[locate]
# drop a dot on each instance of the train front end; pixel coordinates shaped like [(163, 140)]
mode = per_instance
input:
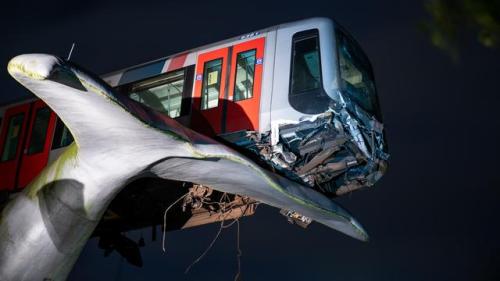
[(335, 142)]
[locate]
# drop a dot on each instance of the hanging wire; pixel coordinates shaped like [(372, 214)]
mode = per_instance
[(223, 204), (238, 249), (208, 249), (223, 226), (165, 219)]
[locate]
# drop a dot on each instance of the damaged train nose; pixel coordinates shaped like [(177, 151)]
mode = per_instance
[(332, 152)]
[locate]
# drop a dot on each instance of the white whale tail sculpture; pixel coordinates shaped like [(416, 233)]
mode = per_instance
[(43, 230)]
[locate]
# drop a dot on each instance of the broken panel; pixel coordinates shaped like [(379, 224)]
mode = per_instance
[(332, 152)]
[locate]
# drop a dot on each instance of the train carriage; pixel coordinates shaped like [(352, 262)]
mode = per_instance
[(299, 98)]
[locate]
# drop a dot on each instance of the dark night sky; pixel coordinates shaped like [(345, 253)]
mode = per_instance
[(432, 217)]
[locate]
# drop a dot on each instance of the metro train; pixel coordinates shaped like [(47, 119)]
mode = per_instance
[(299, 99)]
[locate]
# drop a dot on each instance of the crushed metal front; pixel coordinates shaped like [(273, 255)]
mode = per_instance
[(332, 152)]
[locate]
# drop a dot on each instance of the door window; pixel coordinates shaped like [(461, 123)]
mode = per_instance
[(12, 138), (245, 71), (212, 72), (39, 131)]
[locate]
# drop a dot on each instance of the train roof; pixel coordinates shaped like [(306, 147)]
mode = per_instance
[(191, 53), (113, 77)]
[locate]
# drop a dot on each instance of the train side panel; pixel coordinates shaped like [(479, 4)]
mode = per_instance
[(267, 82), (237, 107)]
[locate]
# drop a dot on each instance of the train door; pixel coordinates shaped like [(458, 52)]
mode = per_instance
[(38, 142), (25, 143), (209, 91), (11, 141), (227, 89), (245, 80)]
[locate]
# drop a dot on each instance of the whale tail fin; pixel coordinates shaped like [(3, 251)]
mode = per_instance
[(129, 134)]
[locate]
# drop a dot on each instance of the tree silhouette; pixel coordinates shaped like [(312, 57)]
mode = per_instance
[(451, 21)]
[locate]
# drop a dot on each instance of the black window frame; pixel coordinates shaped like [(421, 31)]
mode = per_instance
[(187, 88), (236, 74), (8, 123), (219, 78), (32, 135), (312, 101)]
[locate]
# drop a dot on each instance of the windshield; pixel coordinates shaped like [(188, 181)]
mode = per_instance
[(356, 74)]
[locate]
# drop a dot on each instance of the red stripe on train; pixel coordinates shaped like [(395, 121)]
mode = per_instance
[(177, 62)]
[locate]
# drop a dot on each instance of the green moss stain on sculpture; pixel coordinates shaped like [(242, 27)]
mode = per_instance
[(54, 171), (14, 68)]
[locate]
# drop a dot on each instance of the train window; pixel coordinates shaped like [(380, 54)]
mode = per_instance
[(306, 87), (62, 136), (163, 93), (12, 138), (245, 68), (306, 69), (39, 130), (356, 74), (212, 71)]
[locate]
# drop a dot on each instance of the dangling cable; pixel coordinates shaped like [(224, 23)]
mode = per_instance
[(222, 206), (165, 219), (238, 249), (208, 249)]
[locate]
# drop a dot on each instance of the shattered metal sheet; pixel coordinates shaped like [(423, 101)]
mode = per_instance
[(332, 152)]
